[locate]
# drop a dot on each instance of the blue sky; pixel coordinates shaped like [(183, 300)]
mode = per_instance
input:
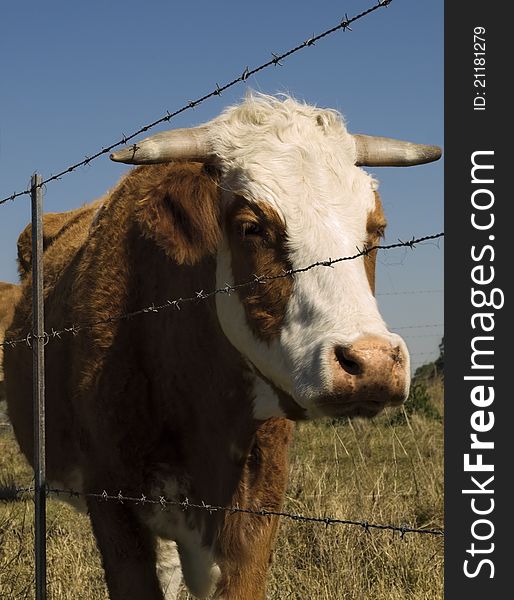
[(76, 76)]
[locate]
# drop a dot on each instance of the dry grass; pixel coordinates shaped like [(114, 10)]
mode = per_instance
[(358, 470), (371, 472)]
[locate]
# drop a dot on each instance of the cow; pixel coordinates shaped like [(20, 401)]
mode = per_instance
[(200, 403), (9, 294)]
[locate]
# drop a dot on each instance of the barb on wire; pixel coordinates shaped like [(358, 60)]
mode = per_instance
[(186, 504), (422, 335), (276, 58), (75, 328), (409, 292), (418, 326)]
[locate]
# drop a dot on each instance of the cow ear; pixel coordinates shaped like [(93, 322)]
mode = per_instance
[(181, 212)]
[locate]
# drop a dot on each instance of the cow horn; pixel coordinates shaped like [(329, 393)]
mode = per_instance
[(177, 144), (373, 151)]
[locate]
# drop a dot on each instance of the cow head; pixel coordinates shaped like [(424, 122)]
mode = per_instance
[(290, 192)]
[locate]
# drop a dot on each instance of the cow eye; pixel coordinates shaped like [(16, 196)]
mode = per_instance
[(251, 229)]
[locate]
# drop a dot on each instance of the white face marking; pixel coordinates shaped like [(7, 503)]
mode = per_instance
[(324, 201), (268, 358)]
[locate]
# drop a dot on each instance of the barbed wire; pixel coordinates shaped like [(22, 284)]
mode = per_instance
[(176, 304), (344, 25), (409, 292), (417, 326), (421, 335), (186, 504)]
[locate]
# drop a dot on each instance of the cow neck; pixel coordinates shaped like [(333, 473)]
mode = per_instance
[(185, 355)]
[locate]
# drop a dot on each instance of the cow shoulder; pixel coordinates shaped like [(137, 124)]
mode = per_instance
[(64, 235), (55, 226)]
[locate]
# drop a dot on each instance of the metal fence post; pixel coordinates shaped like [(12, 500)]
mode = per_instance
[(38, 386)]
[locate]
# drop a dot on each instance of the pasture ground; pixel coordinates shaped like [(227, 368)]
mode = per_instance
[(388, 470)]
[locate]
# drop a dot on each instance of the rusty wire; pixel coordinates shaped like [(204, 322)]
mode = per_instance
[(18, 493), (343, 25), (177, 303)]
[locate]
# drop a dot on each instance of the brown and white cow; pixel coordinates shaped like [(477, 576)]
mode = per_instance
[(200, 403)]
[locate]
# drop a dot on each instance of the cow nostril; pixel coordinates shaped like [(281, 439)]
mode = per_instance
[(347, 362)]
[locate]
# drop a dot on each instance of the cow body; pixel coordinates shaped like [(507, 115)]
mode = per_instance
[(198, 403), (9, 294), (130, 405)]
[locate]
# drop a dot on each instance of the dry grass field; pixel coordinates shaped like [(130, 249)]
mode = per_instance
[(389, 470)]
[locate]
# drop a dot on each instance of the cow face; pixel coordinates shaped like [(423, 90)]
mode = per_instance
[(288, 194), (318, 337)]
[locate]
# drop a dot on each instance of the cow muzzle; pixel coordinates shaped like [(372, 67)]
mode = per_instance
[(366, 376)]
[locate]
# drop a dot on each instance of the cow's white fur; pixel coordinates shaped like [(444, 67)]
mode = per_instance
[(168, 568), (199, 569), (300, 160), (266, 403), (269, 359)]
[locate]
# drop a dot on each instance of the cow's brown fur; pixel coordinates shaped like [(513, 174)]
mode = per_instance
[(136, 402), (257, 239), (375, 227), (55, 225), (9, 295)]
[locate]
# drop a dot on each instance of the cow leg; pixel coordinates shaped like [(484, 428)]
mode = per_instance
[(168, 568), (245, 579), (128, 552), (246, 541)]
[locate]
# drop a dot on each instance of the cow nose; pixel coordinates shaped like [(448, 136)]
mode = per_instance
[(349, 360), (372, 369)]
